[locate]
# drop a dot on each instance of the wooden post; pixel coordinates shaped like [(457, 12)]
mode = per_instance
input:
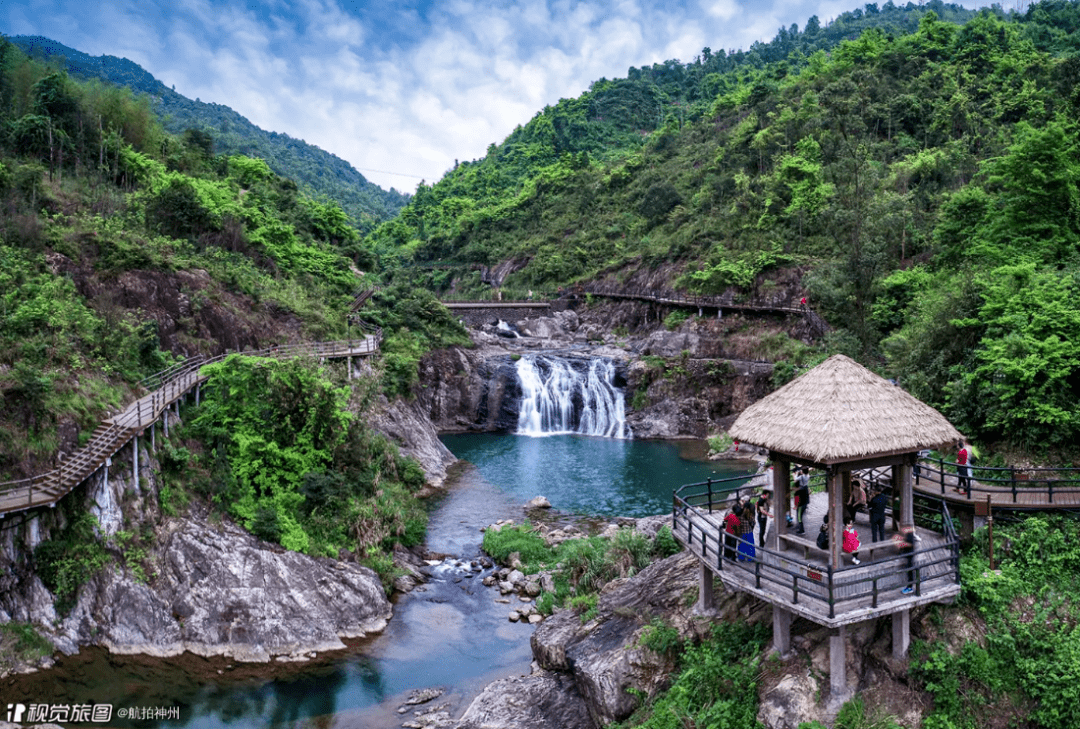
[(781, 484), (836, 479), (907, 499)]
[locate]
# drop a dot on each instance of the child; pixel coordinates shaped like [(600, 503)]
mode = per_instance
[(851, 541)]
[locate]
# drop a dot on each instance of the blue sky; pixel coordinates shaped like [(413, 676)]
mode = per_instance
[(402, 88)]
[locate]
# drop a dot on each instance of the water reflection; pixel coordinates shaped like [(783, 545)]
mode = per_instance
[(588, 475)]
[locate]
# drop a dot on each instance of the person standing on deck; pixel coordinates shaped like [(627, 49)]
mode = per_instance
[(963, 471), (857, 500), (732, 528), (746, 543), (763, 514), (802, 498), (905, 542), (878, 503)]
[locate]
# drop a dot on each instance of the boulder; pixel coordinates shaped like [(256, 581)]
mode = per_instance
[(221, 591), (542, 700)]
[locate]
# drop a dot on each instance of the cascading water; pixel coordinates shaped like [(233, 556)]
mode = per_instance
[(570, 396)]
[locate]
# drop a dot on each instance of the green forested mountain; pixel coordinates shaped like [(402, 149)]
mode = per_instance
[(124, 248), (924, 185), (316, 170)]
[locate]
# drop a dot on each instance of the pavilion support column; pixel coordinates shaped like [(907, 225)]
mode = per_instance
[(781, 631), (781, 482), (901, 634), (705, 589), (836, 512), (907, 502), (838, 660)]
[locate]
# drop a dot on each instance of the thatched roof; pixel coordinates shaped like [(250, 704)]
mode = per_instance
[(840, 411)]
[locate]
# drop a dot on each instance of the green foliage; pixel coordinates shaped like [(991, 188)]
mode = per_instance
[(662, 639), (295, 466), (719, 443), (23, 642), (67, 562), (675, 319), (717, 686), (1031, 646)]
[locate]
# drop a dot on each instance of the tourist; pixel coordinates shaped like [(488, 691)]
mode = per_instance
[(905, 543), (802, 498), (763, 514), (878, 503), (746, 531), (963, 471), (823, 535), (856, 500), (851, 540), (732, 528)]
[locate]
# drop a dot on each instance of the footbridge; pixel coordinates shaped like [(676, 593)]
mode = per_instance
[(164, 390)]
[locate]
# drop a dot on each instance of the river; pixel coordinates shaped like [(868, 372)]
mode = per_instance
[(448, 633)]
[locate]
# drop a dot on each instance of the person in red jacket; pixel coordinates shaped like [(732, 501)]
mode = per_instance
[(732, 531), (851, 541), (963, 471)]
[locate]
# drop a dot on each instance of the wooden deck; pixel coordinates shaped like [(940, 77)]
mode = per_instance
[(115, 432), (806, 587)]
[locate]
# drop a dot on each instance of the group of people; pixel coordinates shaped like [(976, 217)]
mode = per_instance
[(739, 523), (739, 526)]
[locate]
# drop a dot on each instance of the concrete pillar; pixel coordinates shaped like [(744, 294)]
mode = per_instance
[(705, 589), (153, 438), (165, 421), (105, 474), (719, 313), (348, 365), (901, 634), (135, 462), (781, 631), (838, 660), (781, 478), (198, 388)]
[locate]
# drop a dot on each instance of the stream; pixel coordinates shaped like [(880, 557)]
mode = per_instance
[(448, 633)]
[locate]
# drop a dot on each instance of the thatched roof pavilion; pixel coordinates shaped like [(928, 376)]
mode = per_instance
[(841, 417), (838, 412)]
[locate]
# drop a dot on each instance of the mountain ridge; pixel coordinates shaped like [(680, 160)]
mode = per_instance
[(320, 171)]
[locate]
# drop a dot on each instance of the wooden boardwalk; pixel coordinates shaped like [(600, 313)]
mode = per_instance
[(115, 432), (1007, 488)]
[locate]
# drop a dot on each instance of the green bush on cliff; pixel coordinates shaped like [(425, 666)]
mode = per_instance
[(717, 684)]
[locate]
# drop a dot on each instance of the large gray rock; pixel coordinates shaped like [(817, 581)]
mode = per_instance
[(220, 591), (405, 423), (543, 700)]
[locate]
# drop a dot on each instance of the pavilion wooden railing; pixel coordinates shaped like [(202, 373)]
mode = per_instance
[(781, 574)]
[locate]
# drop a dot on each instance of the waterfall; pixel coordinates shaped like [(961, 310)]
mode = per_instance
[(570, 396)]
